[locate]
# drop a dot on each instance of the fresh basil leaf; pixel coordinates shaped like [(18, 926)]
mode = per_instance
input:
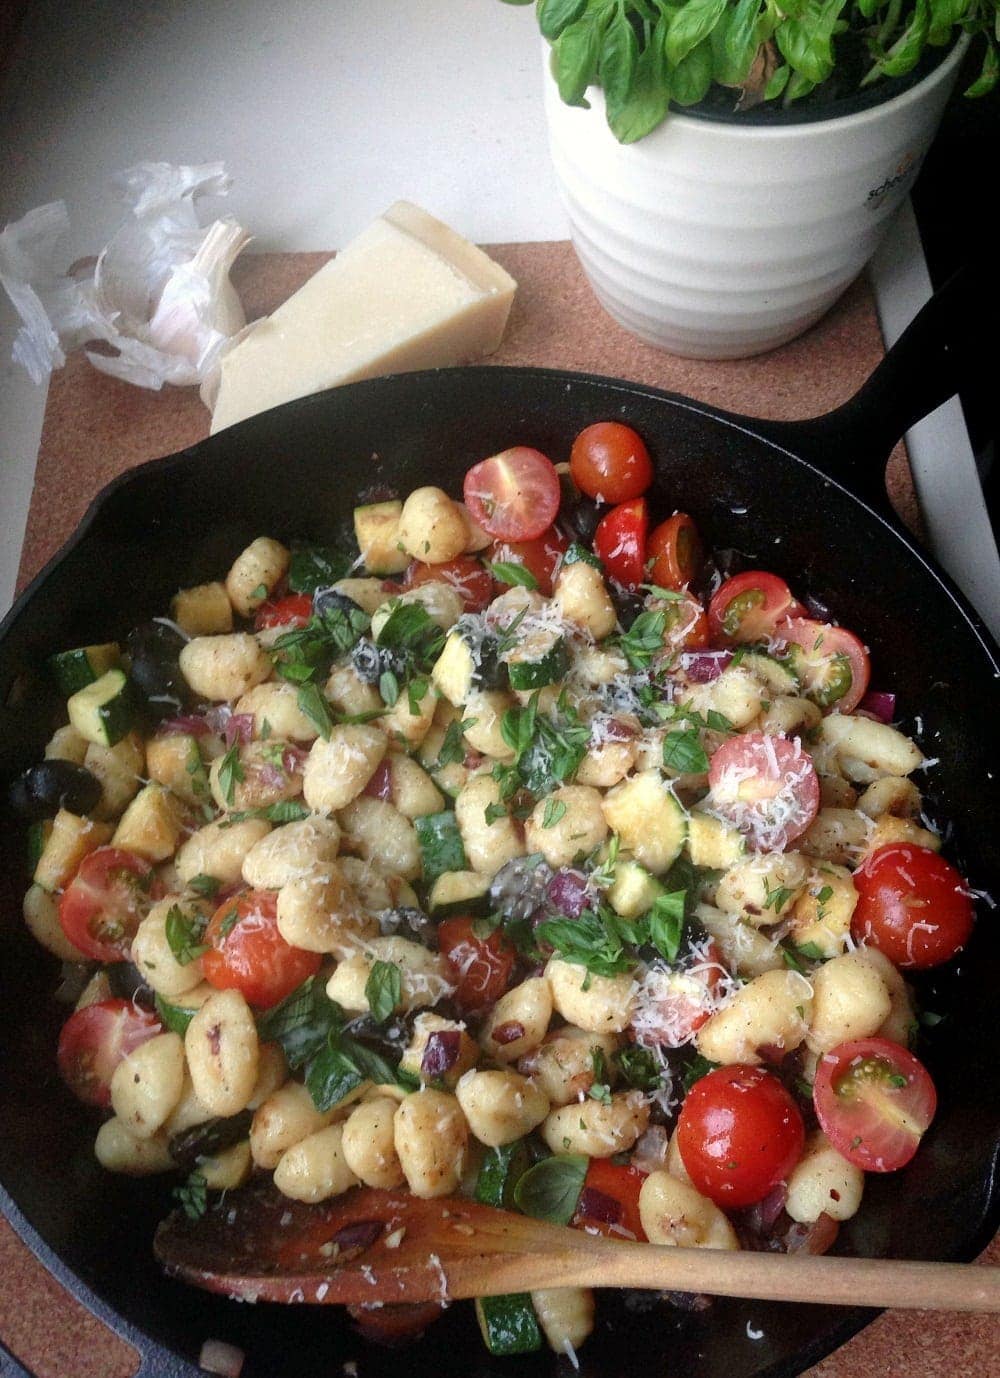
[(556, 15), (184, 933), (192, 1196), (618, 59), (666, 923), (551, 1189), (314, 567), (416, 692), (507, 572), (648, 98), (574, 59), (230, 772), (697, 1068), (330, 1076), (388, 687), (638, 1067), (383, 990), (684, 753), (578, 554), (644, 639), (302, 1022), (689, 24), (314, 705), (206, 886), (555, 809), (174, 1018), (281, 811), (691, 78)]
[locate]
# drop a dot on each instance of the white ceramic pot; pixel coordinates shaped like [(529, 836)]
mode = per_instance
[(720, 239)]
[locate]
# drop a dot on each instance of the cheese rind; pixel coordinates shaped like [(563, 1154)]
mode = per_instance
[(407, 293)]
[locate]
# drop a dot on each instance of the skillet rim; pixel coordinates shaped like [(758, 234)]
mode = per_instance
[(155, 1357)]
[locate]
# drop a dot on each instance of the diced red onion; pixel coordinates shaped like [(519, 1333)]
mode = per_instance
[(218, 716), (598, 1205), (239, 728), (817, 1238), (440, 1052), (616, 731), (763, 1216), (878, 705), (650, 1152), (361, 1234), (271, 776), (473, 759), (567, 892), (187, 725), (218, 1357), (380, 785), (701, 667), (293, 758), (772, 1054), (508, 1032)]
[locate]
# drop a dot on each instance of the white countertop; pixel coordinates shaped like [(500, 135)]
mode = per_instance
[(324, 113)]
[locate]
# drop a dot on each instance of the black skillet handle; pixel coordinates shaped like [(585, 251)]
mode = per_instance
[(942, 347), (11, 1367)]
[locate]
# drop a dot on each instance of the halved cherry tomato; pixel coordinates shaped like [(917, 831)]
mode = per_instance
[(514, 495), (95, 1039), (831, 662), (481, 967), (470, 580), (874, 1100), (681, 1000), (609, 1201), (747, 607), (540, 556), (739, 1133), (293, 611), (767, 786), (675, 551), (686, 624), (610, 462), (912, 905), (248, 954), (394, 1323), (620, 542), (105, 902)]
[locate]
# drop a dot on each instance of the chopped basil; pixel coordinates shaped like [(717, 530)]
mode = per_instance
[(282, 811), (777, 898), (174, 1018), (307, 653), (638, 1067), (388, 687), (811, 951), (192, 1196), (555, 809), (453, 745), (507, 572), (259, 592), (578, 554), (416, 692), (684, 753), (184, 933), (666, 923), (697, 1068), (314, 705), (315, 567), (383, 990), (230, 771), (551, 1189), (206, 886), (644, 639)]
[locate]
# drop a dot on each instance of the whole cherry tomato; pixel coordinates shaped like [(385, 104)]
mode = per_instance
[(912, 905), (610, 462), (620, 542), (247, 953)]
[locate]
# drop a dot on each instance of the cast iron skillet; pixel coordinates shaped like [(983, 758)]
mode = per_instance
[(779, 493)]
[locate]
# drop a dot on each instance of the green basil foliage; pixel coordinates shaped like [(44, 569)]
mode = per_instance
[(548, 747), (647, 55), (551, 1189)]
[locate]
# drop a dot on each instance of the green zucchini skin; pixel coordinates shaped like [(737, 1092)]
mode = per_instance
[(509, 1324), (77, 668), (104, 711)]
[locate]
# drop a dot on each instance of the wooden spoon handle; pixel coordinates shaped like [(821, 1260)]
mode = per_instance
[(774, 1277)]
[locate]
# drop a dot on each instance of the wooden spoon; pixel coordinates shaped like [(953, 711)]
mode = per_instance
[(384, 1246)]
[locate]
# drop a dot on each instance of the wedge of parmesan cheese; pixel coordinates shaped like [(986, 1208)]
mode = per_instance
[(407, 293)]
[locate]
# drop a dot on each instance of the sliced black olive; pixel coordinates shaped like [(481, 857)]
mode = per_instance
[(154, 650), (491, 671), (390, 1039), (371, 661), (206, 1139), (128, 983), (520, 887), (408, 923), (628, 606), (49, 786), (329, 600), (579, 520)]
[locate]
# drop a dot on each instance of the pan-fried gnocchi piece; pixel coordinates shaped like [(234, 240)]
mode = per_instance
[(887, 828), (153, 955), (563, 1065), (337, 770), (369, 1144), (821, 915), (378, 832), (771, 1011), (583, 599), (673, 1212), (566, 825), (315, 1168), (599, 1004), (500, 1106), (488, 845), (868, 749), (838, 835), (225, 667), (425, 1026), (274, 707), (147, 1084), (120, 1151), (431, 1137), (891, 794), (223, 1053), (565, 1314), (204, 610), (518, 1021), (761, 888), (350, 695), (255, 574), (483, 715), (292, 852), (823, 1183), (424, 977), (607, 762), (746, 951), (219, 850), (413, 791), (432, 528), (284, 1118), (596, 1128), (850, 1000), (41, 915), (736, 694), (319, 912)]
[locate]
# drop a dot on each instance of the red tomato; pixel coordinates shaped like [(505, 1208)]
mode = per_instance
[(248, 954), (514, 495), (912, 905), (609, 1201), (610, 462), (675, 551), (472, 583), (540, 556), (686, 625), (874, 1100), (93, 1042), (293, 611), (739, 1133), (767, 786), (746, 607), (481, 967), (620, 542), (682, 1002), (105, 902), (831, 662), (395, 1323)]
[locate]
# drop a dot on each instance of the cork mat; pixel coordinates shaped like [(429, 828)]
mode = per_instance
[(95, 428)]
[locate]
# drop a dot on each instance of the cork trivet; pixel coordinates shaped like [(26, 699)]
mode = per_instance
[(95, 428)]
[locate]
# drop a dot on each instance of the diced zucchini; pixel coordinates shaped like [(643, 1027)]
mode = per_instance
[(440, 844), (539, 659), (376, 528), (151, 825), (649, 819), (119, 769), (38, 834), (633, 890), (499, 1173), (459, 892), (203, 611), (71, 839), (508, 1324), (175, 762), (103, 712), (778, 675), (66, 744), (75, 669), (713, 843), (454, 673)]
